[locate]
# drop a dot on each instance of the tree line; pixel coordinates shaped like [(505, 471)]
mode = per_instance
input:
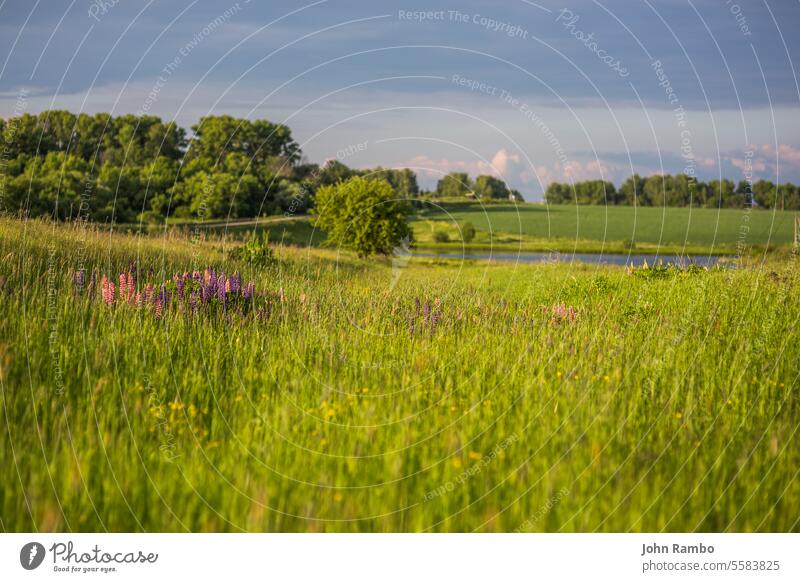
[(129, 168), (678, 190)]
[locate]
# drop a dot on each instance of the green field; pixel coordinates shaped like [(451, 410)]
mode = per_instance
[(535, 227), (700, 227), (352, 395)]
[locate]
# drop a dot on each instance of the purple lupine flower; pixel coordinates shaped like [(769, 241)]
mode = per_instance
[(426, 311), (212, 282), (236, 282), (92, 284), (221, 288), (80, 279), (193, 300), (179, 286)]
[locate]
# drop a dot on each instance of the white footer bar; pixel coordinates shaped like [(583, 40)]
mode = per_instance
[(401, 557)]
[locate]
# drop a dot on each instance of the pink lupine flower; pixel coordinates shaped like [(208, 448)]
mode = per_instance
[(138, 301), (131, 287), (109, 294), (561, 313)]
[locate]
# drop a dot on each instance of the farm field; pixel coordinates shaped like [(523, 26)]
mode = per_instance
[(695, 227), (534, 227), (343, 395)]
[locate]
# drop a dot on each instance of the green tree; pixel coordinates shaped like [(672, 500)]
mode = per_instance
[(490, 187), (364, 215), (632, 191), (454, 184), (558, 193), (403, 181), (764, 193), (333, 172)]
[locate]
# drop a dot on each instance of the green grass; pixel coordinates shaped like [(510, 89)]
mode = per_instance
[(563, 226), (670, 403)]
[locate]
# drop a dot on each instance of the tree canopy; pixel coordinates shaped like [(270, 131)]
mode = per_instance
[(127, 168), (677, 190), (363, 214)]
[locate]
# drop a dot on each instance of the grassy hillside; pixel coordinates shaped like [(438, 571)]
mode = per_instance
[(345, 395)]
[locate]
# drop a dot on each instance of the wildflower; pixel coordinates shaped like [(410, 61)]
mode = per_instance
[(131, 286), (80, 278), (107, 290), (123, 286), (92, 284), (221, 288), (561, 313), (159, 308)]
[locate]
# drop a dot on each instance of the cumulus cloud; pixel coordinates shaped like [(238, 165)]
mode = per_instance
[(767, 160), (503, 164), (577, 171)]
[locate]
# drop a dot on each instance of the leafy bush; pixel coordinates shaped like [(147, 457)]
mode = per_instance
[(440, 236), (468, 232), (256, 251), (363, 214)]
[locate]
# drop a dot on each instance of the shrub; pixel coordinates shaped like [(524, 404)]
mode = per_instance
[(468, 232), (256, 251), (441, 236), (363, 214)]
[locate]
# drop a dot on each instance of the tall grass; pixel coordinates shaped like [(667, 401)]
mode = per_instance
[(358, 396)]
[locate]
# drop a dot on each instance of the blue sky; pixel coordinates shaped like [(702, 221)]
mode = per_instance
[(529, 91)]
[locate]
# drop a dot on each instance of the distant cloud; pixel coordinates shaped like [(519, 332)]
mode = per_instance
[(767, 160), (503, 164), (577, 171)]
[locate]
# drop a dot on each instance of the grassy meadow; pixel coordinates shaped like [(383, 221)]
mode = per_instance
[(363, 396)]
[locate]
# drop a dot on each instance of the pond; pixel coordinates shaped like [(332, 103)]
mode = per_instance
[(635, 260)]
